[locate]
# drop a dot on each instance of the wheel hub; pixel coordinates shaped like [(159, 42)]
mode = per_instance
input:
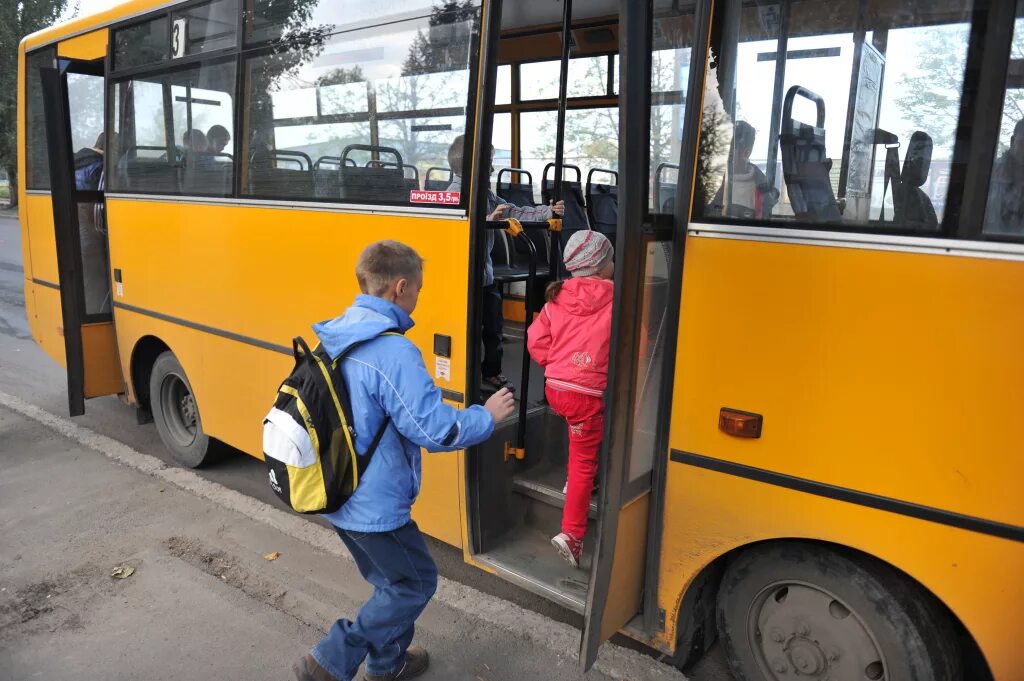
[(801, 631), (187, 406), (179, 409), (806, 656)]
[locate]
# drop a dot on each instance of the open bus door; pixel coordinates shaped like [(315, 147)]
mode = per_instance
[(648, 273), (79, 222)]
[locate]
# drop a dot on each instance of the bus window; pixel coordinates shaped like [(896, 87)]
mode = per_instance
[(37, 161), (167, 150), (841, 123), (670, 69), (1004, 212), (141, 44), (591, 140), (324, 109), (204, 28), (272, 20), (588, 77), (503, 88)]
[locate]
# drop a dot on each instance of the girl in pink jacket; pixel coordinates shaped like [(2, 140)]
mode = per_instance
[(570, 338)]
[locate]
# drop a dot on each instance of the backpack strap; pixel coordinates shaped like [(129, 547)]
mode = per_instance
[(377, 438)]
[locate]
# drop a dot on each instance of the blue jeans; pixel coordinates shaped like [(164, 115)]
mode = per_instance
[(404, 577)]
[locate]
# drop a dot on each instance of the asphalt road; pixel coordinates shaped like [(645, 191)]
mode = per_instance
[(25, 371)]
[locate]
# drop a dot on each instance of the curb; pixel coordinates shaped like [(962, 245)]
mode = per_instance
[(561, 639)]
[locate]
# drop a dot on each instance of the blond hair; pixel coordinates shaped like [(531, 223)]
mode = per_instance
[(385, 262)]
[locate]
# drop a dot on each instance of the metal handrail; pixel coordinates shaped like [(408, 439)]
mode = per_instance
[(517, 230)]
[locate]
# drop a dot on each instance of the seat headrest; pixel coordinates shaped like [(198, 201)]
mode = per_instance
[(918, 161)]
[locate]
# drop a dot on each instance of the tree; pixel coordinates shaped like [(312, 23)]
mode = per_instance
[(18, 18), (931, 99), (433, 79)]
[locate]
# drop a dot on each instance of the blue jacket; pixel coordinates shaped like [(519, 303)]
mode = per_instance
[(386, 376)]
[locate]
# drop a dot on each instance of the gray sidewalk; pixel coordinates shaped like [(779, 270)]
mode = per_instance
[(203, 602)]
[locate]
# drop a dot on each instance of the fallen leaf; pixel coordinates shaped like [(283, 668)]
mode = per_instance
[(223, 578), (122, 572), (273, 555)]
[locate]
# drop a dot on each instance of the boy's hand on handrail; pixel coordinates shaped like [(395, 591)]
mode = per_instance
[(558, 208), (500, 213), (500, 405)]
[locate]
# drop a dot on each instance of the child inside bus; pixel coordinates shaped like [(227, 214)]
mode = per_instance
[(494, 321), (571, 338), (749, 194)]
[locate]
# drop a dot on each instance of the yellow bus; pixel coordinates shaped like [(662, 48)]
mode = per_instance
[(813, 448)]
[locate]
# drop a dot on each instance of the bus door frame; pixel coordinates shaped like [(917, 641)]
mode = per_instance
[(85, 335), (623, 580)]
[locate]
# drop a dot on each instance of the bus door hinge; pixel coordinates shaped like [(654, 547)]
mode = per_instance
[(517, 453)]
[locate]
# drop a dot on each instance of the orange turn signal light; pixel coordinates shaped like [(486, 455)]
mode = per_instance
[(739, 423)]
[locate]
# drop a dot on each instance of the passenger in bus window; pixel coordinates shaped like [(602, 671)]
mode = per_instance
[(1005, 211), (89, 165), (571, 339), (217, 138), (91, 235), (745, 192), (494, 321), (192, 140)]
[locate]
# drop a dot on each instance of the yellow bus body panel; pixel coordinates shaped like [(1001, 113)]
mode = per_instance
[(82, 24), (42, 297), (193, 274), (87, 47), (892, 373)]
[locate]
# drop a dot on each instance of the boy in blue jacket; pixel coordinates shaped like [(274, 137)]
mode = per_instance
[(387, 379)]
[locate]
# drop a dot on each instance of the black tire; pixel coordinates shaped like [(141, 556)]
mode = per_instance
[(800, 607), (176, 415)]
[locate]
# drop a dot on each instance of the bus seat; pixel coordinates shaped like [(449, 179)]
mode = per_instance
[(503, 261), (327, 176), (804, 164), (664, 192), (373, 183), (207, 174), (520, 193), (412, 182), (441, 183), (575, 218), (149, 173), (603, 202), (281, 173), (913, 205)]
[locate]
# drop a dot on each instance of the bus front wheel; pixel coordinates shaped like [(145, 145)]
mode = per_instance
[(176, 415), (801, 610)]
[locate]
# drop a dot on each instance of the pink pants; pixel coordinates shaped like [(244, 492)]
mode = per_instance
[(584, 414)]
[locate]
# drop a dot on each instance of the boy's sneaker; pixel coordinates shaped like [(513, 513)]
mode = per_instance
[(416, 662), (495, 383), (308, 669), (569, 547)]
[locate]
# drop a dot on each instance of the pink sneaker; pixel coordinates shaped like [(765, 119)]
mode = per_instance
[(569, 547)]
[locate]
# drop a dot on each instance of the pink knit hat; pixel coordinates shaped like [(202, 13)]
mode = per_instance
[(586, 252)]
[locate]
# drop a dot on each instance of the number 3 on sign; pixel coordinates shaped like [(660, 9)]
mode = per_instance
[(178, 39)]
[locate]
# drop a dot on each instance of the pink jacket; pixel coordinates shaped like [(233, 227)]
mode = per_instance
[(571, 336)]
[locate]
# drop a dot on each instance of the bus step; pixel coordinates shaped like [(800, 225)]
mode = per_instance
[(545, 484)]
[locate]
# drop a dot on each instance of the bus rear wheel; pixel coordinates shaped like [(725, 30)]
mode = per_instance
[(176, 414), (801, 610)]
